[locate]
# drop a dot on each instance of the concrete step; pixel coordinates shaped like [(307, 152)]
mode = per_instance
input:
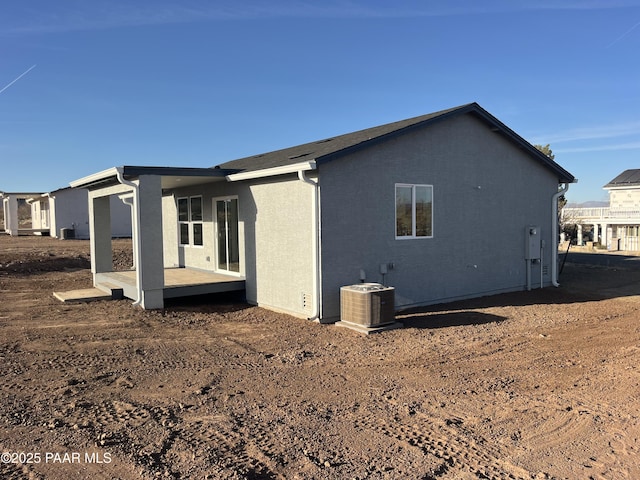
[(82, 295), (116, 292)]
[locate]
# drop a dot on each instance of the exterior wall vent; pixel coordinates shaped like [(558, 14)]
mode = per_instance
[(306, 301), (367, 304)]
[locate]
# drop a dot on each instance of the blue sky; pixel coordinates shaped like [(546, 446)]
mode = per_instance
[(196, 82)]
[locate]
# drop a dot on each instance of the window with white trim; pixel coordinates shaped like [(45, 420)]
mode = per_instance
[(414, 211), (190, 221)]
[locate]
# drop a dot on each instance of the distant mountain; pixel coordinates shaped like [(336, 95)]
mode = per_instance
[(591, 204)]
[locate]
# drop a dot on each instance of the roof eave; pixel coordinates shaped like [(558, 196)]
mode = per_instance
[(273, 171), (95, 178), (110, 175), (618, 186)]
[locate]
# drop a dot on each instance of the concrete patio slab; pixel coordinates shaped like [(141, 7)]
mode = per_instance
[(83, 295)]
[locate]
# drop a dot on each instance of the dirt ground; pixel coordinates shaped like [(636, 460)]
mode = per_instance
[(541, 384)]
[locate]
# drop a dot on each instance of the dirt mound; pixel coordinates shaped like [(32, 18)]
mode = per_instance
[(530, 385), (43, 262), (122, 256), (56, 255)]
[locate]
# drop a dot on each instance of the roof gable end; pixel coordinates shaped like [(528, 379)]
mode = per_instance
[(332, 148)]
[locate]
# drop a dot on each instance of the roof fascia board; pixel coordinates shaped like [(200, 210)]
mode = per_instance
[(94, 178), (136, 171), (55, 192), (21, 195), (622, 187), (110, 174), (271, 172), (36, 198)]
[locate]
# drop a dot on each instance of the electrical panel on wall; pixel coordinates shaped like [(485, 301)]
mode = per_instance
[(532, 243)]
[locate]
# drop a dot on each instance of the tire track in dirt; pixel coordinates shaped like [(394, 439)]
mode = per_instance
[(174, 356), (229, 449), (459, 455), (144, 434), (80, 361), (108, 415), (13, 471), (556, 429)]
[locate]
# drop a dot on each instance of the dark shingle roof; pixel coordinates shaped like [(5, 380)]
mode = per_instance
[(625, 179), (330, 148), (321, 148)]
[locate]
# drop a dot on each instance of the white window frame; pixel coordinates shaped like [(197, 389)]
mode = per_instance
[(216, 226), (413, 235), (190, 222)]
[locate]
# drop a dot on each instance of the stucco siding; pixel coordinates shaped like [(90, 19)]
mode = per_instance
[(485, 192), (280, 233), (36, 214), (170, 231)]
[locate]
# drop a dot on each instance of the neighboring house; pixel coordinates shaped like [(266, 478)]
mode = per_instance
[(616, 226), (445, 206), (10, 204), (64, 210)]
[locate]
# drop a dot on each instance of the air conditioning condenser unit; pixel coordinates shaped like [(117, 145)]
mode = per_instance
[(367, 305)]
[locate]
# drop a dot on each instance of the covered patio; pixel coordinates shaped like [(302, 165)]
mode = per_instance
[(11, 224), (153, 278)]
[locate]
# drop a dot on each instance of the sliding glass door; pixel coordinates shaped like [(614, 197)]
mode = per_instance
[(227, 242)]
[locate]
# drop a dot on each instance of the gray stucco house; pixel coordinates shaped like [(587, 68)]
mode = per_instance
[(68, 209), (444, 206), (64, 208)]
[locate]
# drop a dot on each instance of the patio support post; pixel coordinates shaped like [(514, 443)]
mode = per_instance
[(53, 225), (100, 233), (596, 234), (11, 215), (579, 239), (5, 208), (148, 225)]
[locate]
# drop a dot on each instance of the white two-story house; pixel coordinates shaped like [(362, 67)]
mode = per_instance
[(616, 226)]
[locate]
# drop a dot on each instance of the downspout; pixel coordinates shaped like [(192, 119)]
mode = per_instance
[(136, 233), (315, 243), (554, 234), (128, 200)]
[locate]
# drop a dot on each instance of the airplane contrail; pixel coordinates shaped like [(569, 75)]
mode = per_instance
[(623, 35), (18, 78)]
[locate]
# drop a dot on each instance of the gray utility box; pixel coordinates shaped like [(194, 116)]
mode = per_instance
[(367, 304)]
